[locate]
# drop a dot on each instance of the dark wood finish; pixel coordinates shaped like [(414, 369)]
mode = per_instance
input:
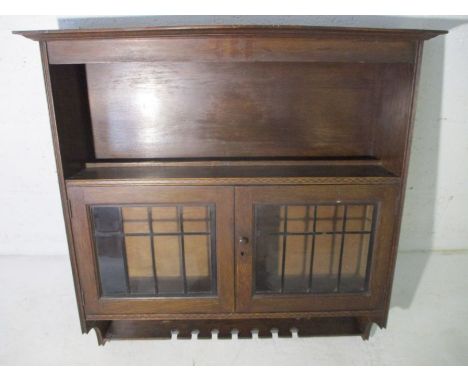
[(230, 49), (233, 30), (70, 94), (409, 123), (231, 109), (234, 175), (227, 329), (237, 316), (395, 88), (232, 116), (63, 192)]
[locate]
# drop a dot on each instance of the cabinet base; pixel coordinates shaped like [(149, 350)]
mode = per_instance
[(230, 328)]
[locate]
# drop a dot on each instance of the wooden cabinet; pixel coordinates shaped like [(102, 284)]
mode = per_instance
[(232, 178)]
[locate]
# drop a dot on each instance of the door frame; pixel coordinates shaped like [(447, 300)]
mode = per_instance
[(383, 196), (82, 197)]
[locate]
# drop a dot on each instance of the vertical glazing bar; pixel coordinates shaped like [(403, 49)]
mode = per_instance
[(332, 255), (124, 251), (312, 250), (283, 259), (340, 264), (180, 218), (371, 247), (361, 241), (306, 237), (153, 255), (212, 249)]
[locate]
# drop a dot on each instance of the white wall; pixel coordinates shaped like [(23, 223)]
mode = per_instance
[(438, 178), (31, 221), (436, 209)]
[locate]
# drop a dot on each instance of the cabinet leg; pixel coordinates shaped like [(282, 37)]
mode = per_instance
[(381, 321), (100, 327), (365, 325)]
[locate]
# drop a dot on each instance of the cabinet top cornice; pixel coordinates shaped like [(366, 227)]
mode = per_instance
[(232, 30)]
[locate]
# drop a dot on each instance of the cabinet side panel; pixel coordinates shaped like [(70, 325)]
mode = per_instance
[(63, 192), (405, 156), (70, 96), (393, 113)]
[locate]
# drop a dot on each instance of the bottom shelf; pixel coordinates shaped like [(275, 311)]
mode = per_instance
[(230, 328)]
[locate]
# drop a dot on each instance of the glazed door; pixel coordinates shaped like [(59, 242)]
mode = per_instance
[(151, 249), (313, 248)]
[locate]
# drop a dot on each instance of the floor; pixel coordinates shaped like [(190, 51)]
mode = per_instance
[(427, 324)]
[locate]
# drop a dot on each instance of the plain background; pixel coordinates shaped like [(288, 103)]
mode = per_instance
[(429, 303)]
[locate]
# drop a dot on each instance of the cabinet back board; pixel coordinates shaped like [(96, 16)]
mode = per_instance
[(217, 109)]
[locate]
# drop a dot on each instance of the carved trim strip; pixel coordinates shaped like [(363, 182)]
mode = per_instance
[(245, 30), (231, 316), (235, 181)]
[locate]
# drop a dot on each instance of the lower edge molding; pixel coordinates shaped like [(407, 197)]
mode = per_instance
[(229, 329)]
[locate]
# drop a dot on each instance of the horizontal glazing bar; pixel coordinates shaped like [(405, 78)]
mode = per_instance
[(107, 234), (164, 220), (303, 219), (308, 292), (159, 294), (316, 233)]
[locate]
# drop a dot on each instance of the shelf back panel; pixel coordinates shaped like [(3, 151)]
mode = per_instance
[(193, 109)]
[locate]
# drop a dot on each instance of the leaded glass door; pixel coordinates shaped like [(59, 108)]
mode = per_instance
[(154, 249), (313, 247)]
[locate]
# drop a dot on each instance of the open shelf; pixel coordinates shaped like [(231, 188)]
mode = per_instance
[(232, 110), (233, 173)]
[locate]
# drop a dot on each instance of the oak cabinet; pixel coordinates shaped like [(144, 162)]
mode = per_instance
[(232, 178)]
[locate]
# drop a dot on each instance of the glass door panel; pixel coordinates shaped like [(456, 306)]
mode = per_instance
[(312, 247), (154, 249)]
